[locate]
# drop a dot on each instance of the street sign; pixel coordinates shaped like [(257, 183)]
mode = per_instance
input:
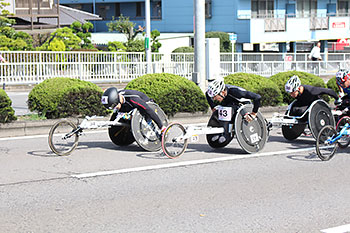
[(232, 36)]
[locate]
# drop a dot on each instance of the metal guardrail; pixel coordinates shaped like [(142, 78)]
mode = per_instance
[(28, 67)]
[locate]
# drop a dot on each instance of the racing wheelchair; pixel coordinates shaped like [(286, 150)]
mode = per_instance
[(251, 136), (314, 118), (124, 128)]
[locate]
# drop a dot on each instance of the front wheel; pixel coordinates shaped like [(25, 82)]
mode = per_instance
[(344, 141), (63, 137), (324, 147), (173, 142)]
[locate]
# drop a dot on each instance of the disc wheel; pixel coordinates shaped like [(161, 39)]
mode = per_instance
[(320, 115), (292, 132), (251, 136), (214, 122), (344, 141), (173, 142), (63, 137), (121, 135), (146, 132), (325, 150)]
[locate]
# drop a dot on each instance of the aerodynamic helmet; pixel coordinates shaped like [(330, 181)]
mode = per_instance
[(342, 75), (110, 98), (292, 84), (215, 87)]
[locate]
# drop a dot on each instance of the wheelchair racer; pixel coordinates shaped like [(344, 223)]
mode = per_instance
[(343, 83), (305, 95), (127, 100), (229, 95)]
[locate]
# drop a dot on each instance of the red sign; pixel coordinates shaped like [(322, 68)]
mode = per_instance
[(341, 43), (338, 25), (288, 58)]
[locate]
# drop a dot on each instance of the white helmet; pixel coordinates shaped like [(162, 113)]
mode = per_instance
[(292, 84), (215, 87)]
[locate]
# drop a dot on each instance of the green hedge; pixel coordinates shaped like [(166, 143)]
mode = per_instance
[(185, 49), (64, 97), (171, 92), (270, 94), (306, 79), (332, 84), (7, 114)]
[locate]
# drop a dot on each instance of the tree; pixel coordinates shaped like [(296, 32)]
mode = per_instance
[(154, 40), (82, 31), (125, 26), (116, 46), (4, 21), (66, 35)]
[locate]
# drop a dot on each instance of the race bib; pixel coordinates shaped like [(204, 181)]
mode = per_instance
[(225, 113), (254, 138), (104, 100)]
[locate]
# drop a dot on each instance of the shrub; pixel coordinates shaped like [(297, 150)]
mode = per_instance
[(171, 92), (64, 97), (332, 84), (135, 46), (306, 79), (7, 114), (270, 94), (225, 43), (116, 46), (184, 49)]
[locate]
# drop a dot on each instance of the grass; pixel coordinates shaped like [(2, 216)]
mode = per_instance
[(31, 117)]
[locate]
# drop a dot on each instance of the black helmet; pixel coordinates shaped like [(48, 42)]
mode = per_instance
[(110, 97)]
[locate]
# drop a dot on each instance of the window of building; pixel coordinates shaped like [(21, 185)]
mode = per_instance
[(102, 10), (138, 9), (306, 8), (343, 7), (117, 10), (156, 9), (262, 8), (208, 8)]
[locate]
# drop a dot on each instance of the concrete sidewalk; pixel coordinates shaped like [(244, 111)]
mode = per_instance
[(42, 127)]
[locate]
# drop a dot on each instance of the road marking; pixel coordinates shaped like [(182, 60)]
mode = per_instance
[(188, 163), (339, 229)]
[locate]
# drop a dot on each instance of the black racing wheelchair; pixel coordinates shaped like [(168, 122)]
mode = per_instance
[(124, 128)]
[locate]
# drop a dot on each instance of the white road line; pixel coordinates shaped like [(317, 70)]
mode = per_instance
[(188, 163), (339, 229)]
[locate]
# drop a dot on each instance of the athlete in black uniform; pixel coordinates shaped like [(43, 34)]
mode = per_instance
[(127, 100), (305, 95), (228, 95)]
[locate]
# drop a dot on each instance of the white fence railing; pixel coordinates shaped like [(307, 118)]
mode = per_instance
[(35, 67)]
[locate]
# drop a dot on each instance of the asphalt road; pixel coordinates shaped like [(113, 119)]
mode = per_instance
[(283, 188)]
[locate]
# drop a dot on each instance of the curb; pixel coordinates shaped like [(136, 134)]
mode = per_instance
[(42, 127)]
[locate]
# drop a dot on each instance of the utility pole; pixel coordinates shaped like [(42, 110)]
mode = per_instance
[(199, 43), (148, 35)]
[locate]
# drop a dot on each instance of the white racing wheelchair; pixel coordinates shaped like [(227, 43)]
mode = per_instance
[(251, 136), (314, 118), (124, 128)]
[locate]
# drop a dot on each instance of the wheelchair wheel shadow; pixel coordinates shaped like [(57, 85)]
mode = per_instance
[(107, 145), (205, 148), (194, 148)]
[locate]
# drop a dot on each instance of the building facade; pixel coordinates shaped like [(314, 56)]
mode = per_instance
[(285, 22)]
